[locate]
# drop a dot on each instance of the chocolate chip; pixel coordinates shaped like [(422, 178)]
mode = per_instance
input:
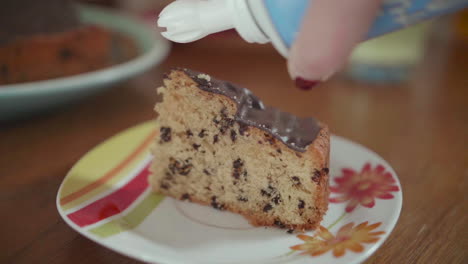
[(224, 112), (301, 204), (202, 133), (237, 169), (279, 224), (185, 170), (290, 231), (242, 199), (189, 133), (269, 191), (65, 54), (277, 199), (164, 186), (316, 177), (243, 128), (267, 208), (165, 134), (196, 146), (237, 163), (230, 122), (185, 196), (215, 204), (270, 139), (225, 124), (206, 172), (215, 139), (173, 165), (215, 120), (182, 168), (260, 142), (296, 180), (279, 151), (233, 135), (326, 170)]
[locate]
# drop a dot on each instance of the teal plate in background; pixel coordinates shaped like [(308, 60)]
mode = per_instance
[(24, 99)]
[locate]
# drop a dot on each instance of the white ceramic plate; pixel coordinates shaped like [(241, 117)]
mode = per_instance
[(22, 99), (106, 198)]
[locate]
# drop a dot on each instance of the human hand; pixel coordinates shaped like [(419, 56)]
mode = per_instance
[(330, 31)]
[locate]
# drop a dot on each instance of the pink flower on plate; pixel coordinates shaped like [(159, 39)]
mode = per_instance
[(363, 187)]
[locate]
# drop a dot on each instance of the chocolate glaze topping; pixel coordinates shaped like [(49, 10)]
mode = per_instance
[(296, 133)]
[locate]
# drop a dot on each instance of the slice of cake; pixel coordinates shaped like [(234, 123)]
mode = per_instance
[(219, 145)]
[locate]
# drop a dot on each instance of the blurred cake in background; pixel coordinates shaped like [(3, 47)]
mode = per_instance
[(45, 39)]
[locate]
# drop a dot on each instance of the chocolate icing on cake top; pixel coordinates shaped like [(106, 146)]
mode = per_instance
[(296, 133)]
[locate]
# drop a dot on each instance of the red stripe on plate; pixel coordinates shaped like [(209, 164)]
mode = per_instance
[(109, 175), (112, 204)]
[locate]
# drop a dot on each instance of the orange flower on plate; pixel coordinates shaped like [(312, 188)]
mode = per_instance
[(363, 187), (348, 237)]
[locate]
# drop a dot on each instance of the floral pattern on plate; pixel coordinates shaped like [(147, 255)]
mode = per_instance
[(106, 197), (348, 237), (363, 187), (356, 188)]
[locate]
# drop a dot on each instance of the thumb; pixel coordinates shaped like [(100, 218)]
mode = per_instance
[(329, 32)]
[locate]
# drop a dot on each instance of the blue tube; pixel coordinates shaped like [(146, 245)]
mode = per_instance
[(287, 15)]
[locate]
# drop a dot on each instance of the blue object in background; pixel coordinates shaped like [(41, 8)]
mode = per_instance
[(287, 15)]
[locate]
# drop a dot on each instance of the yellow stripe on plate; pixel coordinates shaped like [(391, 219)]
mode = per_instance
[(102, 160)]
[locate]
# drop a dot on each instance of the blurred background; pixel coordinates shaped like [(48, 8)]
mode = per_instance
[(403, 83), (413, 60), (404, 95)]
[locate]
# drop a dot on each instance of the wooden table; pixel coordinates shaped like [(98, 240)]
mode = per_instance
[(421, 128)]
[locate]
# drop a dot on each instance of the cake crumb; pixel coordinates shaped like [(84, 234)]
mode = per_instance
[(204, 76)]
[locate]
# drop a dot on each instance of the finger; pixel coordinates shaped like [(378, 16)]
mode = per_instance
[(329, 32)]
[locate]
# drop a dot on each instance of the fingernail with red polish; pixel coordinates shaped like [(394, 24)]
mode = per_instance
[(305, 84)]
